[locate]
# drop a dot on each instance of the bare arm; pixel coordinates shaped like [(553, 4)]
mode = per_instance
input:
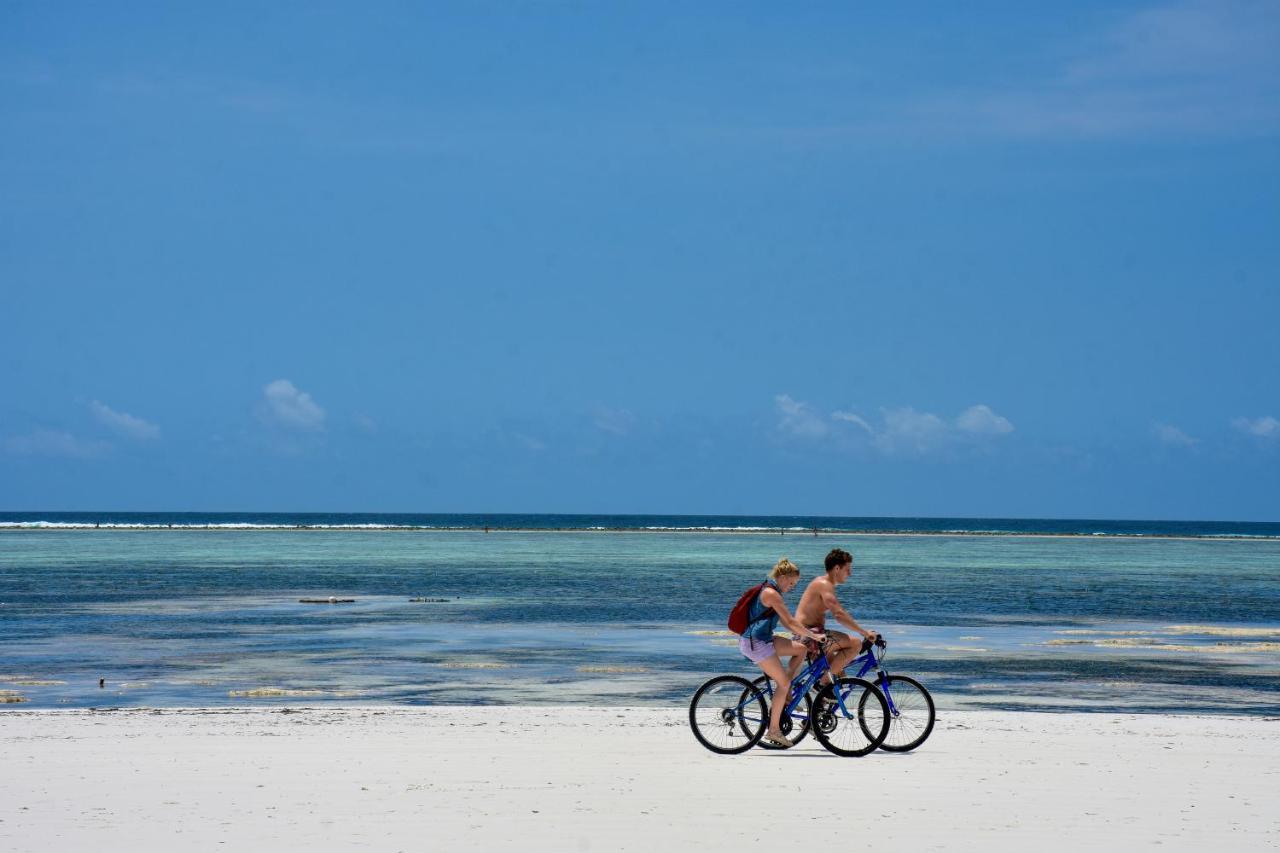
[(842, 616), (770, 598)]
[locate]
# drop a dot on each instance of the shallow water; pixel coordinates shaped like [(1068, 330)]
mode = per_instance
[(198, 617)]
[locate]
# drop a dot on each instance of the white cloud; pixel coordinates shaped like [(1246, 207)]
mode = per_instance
[(616, 421), (1264, 427), (980, 420), (1196, 39), (851, 418), (1203, 68), (799, 419), (1172, 436), (284, 405), (900, 430), (529, 442), (124, 424), (47, 442), (909, 430)]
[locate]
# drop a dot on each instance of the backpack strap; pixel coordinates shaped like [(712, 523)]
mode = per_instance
[(767, 610)]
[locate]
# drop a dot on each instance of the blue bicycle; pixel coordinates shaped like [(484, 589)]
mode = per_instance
[(849, 716), (911, 709)]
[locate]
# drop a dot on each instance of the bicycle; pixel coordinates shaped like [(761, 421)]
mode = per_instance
[(729, 714), (911, 709)]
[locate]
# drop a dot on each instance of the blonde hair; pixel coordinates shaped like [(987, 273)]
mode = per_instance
[(784, 568)]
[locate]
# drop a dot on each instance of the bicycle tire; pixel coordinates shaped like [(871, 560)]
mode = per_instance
[(845, 723), (728, 715), (788, 723), (913, 722)]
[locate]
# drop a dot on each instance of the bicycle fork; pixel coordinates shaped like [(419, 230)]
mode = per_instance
[(882, 681)]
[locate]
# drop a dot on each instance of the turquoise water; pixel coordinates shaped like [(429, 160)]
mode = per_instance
[(195, 617)]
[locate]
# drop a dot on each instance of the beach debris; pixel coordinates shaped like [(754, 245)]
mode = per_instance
[(34, 682), (1224, 631), (330, 600), (1090, 631), (11, 697), (271, 692), (430, 600)]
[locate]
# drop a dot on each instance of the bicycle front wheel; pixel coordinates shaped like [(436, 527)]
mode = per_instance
[(850, 717), (728, 715), (793, 727), (911, 713)]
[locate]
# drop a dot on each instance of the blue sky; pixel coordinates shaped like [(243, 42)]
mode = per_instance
[(740, 258)]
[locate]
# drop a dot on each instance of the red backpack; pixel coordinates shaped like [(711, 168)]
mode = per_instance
[(739, 616)]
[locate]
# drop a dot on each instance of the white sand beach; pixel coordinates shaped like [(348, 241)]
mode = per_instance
[(453, 778)]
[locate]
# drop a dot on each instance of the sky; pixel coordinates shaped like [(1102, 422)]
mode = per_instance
[(1003, 259)]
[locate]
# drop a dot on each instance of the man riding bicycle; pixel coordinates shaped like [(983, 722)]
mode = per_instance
[(820, 597)]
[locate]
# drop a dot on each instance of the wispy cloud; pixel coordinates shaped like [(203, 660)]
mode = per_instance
[(856, 420), (1264, 427), (1171, 436), (528, 442), (49, 442), (380, 124), (980, 420), (799, 419), (901, 430), (1204, 68), (123, 423), (284, 405), (616, 421), (1208, 67), (906, 430)]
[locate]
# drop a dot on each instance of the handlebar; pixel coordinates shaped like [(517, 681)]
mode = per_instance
[(866, 644), (815, 647)]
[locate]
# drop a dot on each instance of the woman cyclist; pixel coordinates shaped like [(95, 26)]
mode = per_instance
[(765, 650)]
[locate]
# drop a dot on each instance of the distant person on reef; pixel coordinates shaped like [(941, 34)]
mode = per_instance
[(819, 598), (766, 651)]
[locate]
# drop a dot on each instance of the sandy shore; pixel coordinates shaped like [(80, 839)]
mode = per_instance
[(622, 779)]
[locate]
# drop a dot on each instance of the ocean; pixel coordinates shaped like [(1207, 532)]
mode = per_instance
[(204, 609)]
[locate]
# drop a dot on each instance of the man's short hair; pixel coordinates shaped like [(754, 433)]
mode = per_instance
[(837, 557)]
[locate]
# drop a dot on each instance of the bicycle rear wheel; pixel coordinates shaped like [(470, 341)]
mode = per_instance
[(912, 715), (728, 715), (850, 717), (794, 728)]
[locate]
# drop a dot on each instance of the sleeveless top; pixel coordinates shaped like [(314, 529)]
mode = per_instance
[(761, 619)]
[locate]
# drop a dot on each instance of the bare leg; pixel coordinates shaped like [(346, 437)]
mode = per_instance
[(793, 650), (840, 650), (772, 667)]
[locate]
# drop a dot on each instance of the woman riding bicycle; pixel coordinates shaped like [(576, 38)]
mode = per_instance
[(762, 648)]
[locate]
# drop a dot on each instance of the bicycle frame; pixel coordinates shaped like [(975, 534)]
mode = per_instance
[(870, 661), (813, 670), (804, 681)]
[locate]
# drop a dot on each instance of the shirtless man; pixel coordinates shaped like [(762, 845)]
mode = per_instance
[(819, 597)]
